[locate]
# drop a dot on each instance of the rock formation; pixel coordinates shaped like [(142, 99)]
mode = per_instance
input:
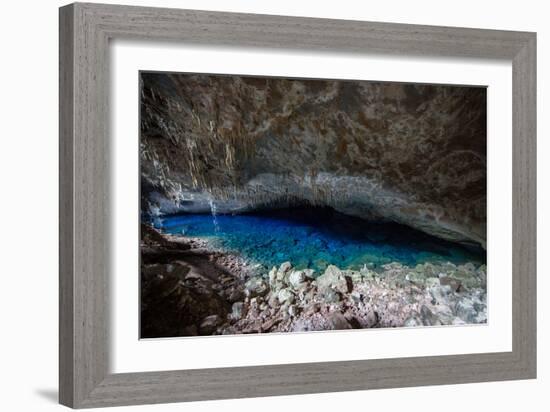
[(414, 154), (188, 290)]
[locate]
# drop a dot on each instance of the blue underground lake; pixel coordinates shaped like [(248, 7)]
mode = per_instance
[(316, 237)]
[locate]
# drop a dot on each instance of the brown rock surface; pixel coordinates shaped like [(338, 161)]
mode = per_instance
[(415, 154)]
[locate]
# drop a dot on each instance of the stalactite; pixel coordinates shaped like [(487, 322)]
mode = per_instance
[(325, 145)]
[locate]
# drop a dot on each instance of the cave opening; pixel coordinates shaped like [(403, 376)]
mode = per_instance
[(232, 168)]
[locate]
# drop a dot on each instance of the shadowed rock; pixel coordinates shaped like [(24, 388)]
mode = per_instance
[(415, 154)]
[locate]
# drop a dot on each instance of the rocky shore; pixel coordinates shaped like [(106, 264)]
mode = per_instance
[(189, 290)]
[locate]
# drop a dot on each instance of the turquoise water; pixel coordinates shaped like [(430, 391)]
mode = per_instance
[(314, 238)]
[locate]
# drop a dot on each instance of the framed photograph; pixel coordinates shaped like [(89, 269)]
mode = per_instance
[(256, 205)]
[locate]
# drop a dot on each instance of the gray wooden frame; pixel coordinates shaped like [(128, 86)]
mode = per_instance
[(85, 31)]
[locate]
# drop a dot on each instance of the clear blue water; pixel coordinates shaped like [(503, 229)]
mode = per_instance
[(314, 238)]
